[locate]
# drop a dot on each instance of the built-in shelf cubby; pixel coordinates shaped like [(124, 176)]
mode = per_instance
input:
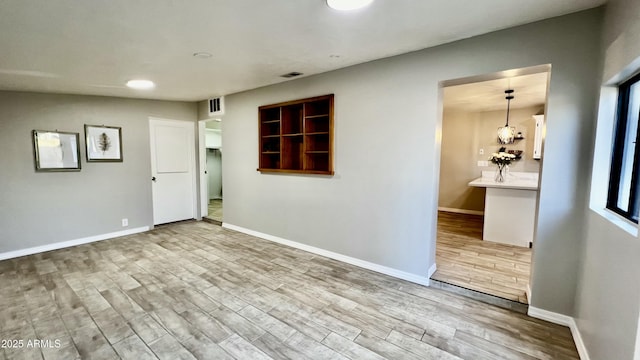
[(297, 136)]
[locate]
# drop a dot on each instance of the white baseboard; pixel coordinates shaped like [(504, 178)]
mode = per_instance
[(564, 320), (550, 316), (577, 339), (432, 270), (528, 292), (66, 244), (461, 211), (346, 259)]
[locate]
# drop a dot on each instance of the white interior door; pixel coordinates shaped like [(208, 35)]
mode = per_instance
[(172, 170)]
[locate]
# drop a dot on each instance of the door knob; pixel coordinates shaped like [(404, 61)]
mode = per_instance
[(153, 179)]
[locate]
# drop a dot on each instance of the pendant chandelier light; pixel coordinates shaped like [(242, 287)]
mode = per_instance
[(507, 133)]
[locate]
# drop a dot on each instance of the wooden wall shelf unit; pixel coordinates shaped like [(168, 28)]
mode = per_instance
[(297, 136)]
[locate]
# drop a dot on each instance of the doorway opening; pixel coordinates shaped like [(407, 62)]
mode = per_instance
[(485, 228), (212, 165)]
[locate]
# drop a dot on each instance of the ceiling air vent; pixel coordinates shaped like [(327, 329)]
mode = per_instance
[(216, 106), (291, 74)]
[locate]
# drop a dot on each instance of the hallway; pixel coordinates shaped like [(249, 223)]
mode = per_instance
[(215, 210)]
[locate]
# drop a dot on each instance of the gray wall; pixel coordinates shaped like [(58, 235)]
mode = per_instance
[(608, 296), (608, 293), (381, 204), (43, 208), (569, 120), (458, 163)]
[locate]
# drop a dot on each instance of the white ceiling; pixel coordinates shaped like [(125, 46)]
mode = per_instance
[(95, 46), (529, 90)]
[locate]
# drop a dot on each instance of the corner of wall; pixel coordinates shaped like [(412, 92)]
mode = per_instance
[(563, 320)]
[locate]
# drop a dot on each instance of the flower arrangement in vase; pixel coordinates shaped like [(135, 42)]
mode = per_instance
[(502, 158)]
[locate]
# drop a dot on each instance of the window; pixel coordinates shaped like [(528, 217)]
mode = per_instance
[(624, 184)]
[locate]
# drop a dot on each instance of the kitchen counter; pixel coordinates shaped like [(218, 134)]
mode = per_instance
[(509, 207), (513, 180)]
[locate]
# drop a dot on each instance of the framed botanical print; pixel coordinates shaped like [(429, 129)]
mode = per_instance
[(56, 150), (104, 143)]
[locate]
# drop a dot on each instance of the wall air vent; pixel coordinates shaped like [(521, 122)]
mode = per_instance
[(216, 106), (291, 74)]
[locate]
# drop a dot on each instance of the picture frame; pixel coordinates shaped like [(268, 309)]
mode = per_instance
[(56, 150), (103, 143)]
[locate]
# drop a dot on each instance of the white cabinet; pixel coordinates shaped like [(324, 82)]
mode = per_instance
[(537, 140)]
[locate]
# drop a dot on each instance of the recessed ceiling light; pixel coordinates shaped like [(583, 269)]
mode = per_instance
[(202, 55), (346, 5), (141, 84)]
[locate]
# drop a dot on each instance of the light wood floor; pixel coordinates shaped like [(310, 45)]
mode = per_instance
[(196, 290), (464, 259), (215, 210)]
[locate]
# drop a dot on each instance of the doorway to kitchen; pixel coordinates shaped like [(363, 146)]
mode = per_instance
[(213, 171), (485, 231)]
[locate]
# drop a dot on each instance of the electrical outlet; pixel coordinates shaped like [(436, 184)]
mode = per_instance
[(481, 151), (125, 222), (482, 163)]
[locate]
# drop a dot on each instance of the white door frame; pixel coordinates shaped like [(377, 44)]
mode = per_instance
[(192, 163), (202, 169), (202, 161)]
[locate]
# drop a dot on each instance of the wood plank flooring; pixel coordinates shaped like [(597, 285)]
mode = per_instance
[(464, 259), (215, 210), (197, 291)]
